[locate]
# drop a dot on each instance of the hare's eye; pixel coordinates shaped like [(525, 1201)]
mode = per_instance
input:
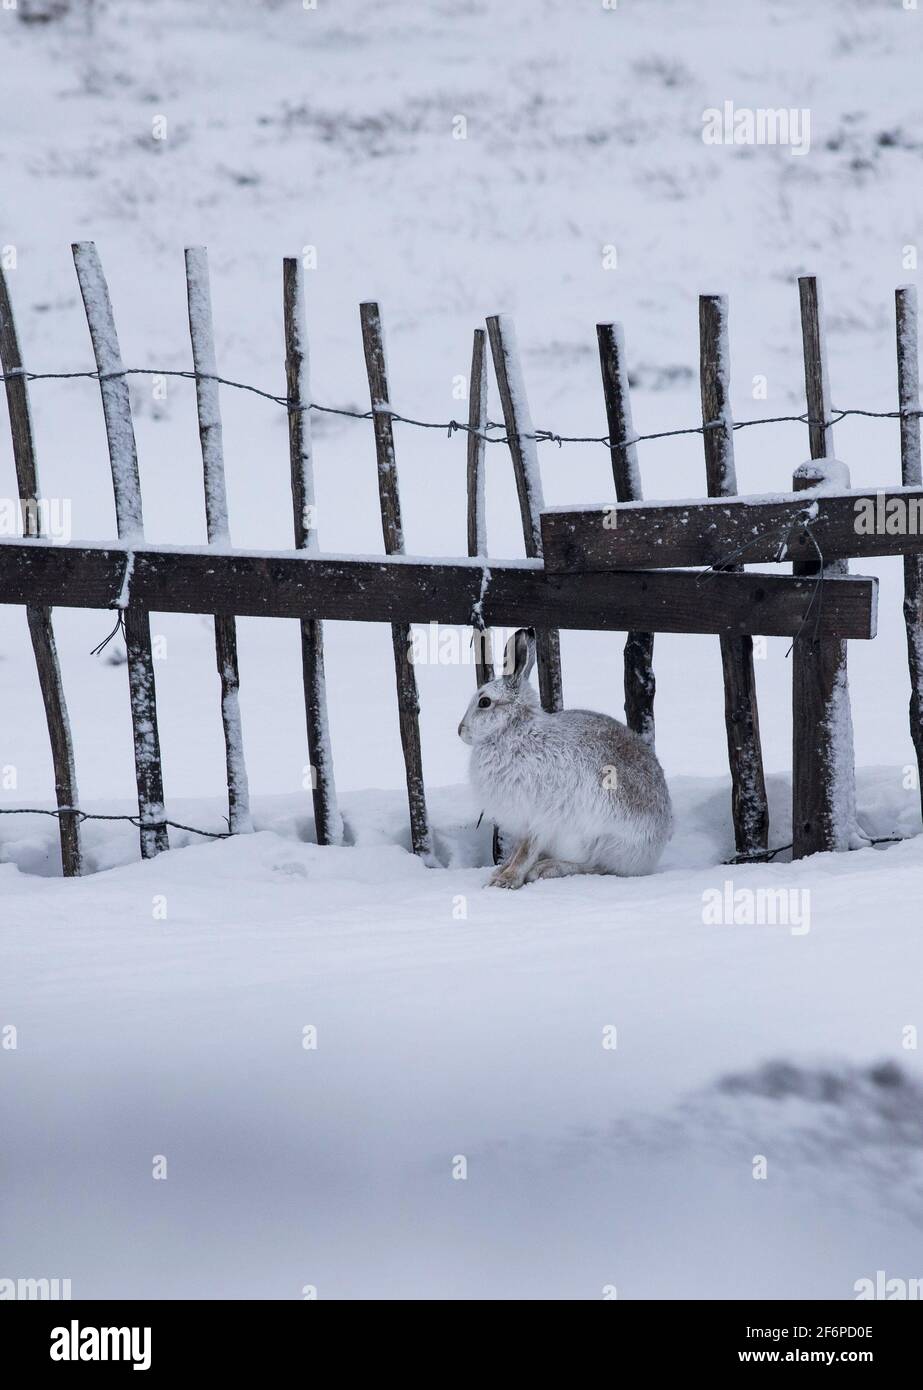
[(484, 702)]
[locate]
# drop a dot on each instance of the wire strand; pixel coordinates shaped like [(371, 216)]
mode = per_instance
[(132, 820), (449, 427), (489, 435)]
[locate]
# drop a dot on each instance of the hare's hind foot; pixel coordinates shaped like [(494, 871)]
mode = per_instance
[(556, 868), (515, 872), (502, 878)]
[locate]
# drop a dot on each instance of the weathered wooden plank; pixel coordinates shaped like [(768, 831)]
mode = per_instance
[(638, 660), (408, 700), (748, 530), (524, 454), (749, 805), (476, 490), (328, 823), (208, 407), (256, 584), (41, 630), (908, 386), (126, 485)]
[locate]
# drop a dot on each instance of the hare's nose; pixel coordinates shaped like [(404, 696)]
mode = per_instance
[(460, 728)]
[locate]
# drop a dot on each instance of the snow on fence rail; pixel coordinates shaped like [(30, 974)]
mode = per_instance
[(618, 566)]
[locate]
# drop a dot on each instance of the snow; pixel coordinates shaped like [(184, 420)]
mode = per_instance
[(826, 475), (830, 479), (441, 1035), (332, 557), (455, 1020)]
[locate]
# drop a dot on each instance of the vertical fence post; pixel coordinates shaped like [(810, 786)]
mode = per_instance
[(524, 454), (126, 486), (749, 806), (640, 685), (908, 384), (477, 516), (477, 513), (328, 823), (816, 374), (39, 620), (823, 771), (389, 497), (202, 337)]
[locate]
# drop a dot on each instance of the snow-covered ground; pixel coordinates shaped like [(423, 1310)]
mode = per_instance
[(161, 1011), (160, 1007)]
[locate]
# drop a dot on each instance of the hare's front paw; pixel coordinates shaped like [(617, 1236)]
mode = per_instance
[(505, 877)]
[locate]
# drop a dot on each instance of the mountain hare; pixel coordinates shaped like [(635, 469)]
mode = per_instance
[(577, 792)]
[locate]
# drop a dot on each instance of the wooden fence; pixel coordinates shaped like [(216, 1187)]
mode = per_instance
[(621, 565)]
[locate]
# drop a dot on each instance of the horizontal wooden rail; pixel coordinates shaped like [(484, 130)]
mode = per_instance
[(395, 589), (735, 530)]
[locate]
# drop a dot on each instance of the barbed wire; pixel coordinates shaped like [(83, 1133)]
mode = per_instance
[(135, 820), (489, 435), (757, 856), (450, 427), (766, 856)]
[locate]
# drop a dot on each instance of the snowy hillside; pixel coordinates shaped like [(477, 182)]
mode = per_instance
[(582, 192)]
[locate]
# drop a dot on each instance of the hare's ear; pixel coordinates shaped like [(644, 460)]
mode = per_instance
[(519, 655)]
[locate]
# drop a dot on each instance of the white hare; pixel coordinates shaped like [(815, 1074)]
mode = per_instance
[(575, 792)]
